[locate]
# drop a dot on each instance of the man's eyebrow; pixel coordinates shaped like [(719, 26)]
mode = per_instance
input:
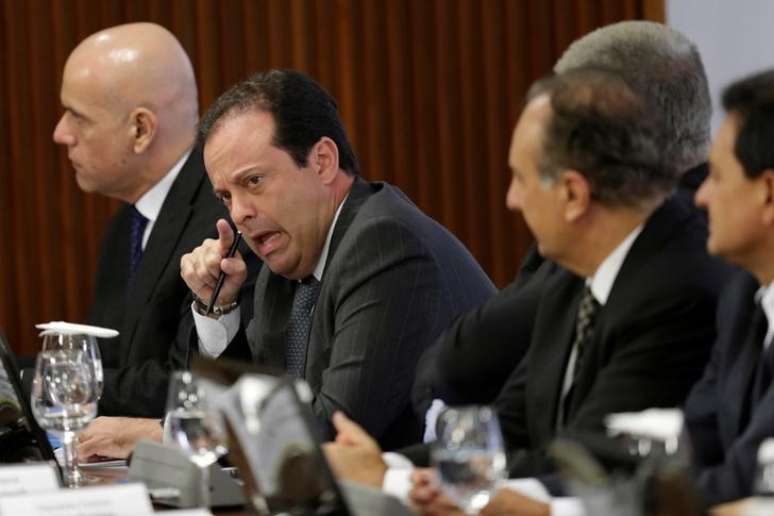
[(72, 110), (247, 171)]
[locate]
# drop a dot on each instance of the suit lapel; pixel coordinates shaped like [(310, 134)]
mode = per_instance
[(742, 376), (656, 232), (267, 334), (167, 230), (359, 193), (550, 350)]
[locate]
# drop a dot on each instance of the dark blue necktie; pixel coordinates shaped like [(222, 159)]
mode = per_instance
[(137, 225), (299, 323)]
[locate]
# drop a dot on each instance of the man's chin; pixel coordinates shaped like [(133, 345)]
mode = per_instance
[(84, 184), (713, 248), (280, 266)]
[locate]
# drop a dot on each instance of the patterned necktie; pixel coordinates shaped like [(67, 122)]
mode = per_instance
[(299, 323), (584, 327), (137, 225)]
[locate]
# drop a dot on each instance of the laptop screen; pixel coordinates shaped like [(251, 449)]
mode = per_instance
[(294, 476)]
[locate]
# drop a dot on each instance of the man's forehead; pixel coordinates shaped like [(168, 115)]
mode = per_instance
[(239, 140), (242, 123), (532, 122)]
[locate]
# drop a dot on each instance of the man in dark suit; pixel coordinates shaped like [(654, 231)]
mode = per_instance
[(358, 280), (471, 361), (129, 126), (624, 322), (731, 410)]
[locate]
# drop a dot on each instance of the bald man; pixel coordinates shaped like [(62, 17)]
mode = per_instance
[(130, 115)]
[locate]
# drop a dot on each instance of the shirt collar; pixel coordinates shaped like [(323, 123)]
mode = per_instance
[(765, 296), (149, 205), (601, 283), (320, 267)]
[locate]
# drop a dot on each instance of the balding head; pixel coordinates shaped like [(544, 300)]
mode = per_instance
[(131, 108), (666, 69)]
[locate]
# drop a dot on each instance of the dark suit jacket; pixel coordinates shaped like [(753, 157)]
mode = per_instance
[(394, 279), (651, 339), (137, 363), (724, 434), (471, 360)]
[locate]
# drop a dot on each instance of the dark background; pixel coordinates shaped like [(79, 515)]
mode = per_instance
[(429, 91)]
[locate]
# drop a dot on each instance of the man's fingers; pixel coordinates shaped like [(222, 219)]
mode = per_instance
[(225, 236), (234, 266), (349, 432), (89, 447)]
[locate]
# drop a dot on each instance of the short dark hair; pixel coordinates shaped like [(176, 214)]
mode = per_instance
[(752, 100), (600, 127), (303, 113)]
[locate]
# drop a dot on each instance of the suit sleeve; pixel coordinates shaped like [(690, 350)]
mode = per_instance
[(141, 389), (722, 476), (389, 306), (725, 472), (472, 360), (733, 478)]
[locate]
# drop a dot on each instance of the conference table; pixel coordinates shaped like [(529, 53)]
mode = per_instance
[(116, 475)]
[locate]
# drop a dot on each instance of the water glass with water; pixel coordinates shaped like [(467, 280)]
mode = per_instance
[(468, 456)]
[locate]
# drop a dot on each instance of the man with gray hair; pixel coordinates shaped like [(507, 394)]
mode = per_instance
[(472, 359), (666, 69), (620, 315)]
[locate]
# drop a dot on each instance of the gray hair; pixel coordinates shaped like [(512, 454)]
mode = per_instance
[(666, 69)]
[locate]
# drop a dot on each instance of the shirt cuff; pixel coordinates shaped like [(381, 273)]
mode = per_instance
[(431, 420), (567, 506), (532, 487), (215, 334), (397, 478)]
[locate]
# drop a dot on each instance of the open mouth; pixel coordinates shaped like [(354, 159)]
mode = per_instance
[(267, 241)]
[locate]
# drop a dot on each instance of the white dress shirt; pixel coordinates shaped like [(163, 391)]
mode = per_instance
[(215, 334), (765, 296), (397, 479), (149, 205)]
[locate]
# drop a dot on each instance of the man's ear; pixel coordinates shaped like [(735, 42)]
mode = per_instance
[(143, 124), (767, 195), (324, 159), (575, 194)]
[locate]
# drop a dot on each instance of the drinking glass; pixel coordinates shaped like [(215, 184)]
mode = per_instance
[(196, 426), (469, 456), (64, 393)]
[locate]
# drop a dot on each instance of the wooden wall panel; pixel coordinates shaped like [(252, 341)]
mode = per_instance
[(429, 91)]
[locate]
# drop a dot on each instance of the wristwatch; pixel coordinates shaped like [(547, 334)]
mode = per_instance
[(217, 310)]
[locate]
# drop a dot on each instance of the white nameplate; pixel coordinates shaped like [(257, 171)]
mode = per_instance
[(123, 500), (27, 478)]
